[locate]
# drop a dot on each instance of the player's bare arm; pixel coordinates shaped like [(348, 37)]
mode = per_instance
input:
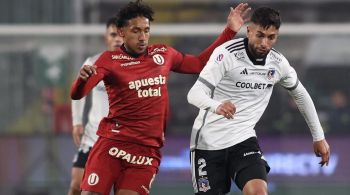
[(238, 16), (86, 71), (226, 109), (77, 132), (322, 149)]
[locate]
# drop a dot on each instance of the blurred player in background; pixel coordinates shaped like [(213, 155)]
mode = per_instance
[(127, 153), (85, 138), (232, 93)]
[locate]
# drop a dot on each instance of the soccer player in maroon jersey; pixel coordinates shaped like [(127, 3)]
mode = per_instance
[(127, 155)]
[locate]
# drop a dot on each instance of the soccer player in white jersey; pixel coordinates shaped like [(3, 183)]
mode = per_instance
[(232, 93), (85, 138)]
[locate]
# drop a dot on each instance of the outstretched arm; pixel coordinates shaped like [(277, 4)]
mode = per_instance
[(235, 20), (307, 109), (186, 63)]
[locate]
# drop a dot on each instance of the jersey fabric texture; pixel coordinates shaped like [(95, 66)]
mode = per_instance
[(232, 74), (137, 89), (97, 110)]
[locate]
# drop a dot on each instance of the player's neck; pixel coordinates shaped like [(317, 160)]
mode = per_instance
[(130, 52)]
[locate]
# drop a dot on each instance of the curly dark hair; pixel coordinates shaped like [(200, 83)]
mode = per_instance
[(133, 10), (266, 17)]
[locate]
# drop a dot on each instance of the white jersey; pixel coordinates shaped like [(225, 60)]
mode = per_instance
[(233, 74), (98, 110)]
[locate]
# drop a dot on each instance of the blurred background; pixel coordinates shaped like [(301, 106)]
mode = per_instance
[(44, 43)]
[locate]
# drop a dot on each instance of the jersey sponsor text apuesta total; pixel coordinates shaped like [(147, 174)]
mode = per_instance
[(137, 93), (137, 88)]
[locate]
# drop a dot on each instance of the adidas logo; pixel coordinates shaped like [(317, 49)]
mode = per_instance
[(244, 72)]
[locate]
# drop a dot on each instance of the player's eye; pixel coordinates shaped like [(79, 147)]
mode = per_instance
[(272, 37), (260, 36), (135, 30)]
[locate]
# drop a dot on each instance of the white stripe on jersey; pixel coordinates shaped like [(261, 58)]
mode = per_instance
[(193, 170), (235, 77)]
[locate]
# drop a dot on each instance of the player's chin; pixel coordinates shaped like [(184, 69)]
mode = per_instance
[(141, 50), (261, 54)]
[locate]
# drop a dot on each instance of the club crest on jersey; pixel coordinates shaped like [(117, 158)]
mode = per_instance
[(93, 179), (271, 74), (203, 184), (158, 59), (220, 57)]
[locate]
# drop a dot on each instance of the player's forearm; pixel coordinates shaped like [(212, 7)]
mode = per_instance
[(77, 111), (76, 91), (225, 36), (80, 89), (199, 96), (308, 110)]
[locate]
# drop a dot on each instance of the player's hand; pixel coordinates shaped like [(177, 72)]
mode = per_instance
[(86, 71), (226, 109), (321, 149), (238, 16), (77, 132)]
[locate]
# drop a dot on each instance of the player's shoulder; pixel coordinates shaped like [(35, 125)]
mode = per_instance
[(93, 58), (117, 56), (233, 45), (233, 49), (102, 58), (158, 49), (277, 57)]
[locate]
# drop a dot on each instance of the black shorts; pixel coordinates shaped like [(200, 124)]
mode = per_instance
[(213, 170), (81, 157)]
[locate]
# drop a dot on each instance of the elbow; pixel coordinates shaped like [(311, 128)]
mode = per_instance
[(75, 91), (74, 96)]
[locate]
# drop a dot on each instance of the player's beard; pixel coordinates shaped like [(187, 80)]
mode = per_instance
[(258, 52), (136, 50)]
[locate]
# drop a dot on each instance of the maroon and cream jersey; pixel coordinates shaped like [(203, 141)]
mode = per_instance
[(137, 89)]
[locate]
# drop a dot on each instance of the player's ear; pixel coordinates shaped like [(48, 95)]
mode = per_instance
[(120, 32), (248, 30)]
